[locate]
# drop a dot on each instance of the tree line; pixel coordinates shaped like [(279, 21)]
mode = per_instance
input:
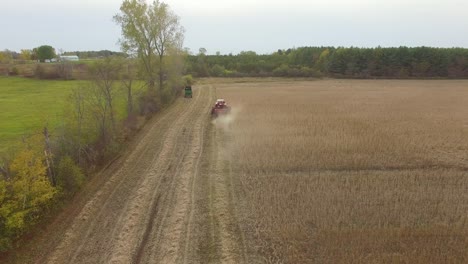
[(91, 54), (340, 62), (48, 168), (47, 52)]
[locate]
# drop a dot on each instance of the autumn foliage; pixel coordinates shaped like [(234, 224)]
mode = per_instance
[(24, 196)]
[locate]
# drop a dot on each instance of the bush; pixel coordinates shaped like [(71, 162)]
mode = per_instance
[(148, 104), (39, 72), (168, 95), (14, 71), (281, 71), (47, 72), (294, 72), (217, 71), (188, 79), (25, 197), (69, 177)]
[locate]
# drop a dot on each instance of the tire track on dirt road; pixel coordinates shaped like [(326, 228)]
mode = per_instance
[(192, 200), (132, 239), (169, 232), (180, 137), (92, 236)]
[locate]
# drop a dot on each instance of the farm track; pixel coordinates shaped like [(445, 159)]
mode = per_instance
[(168, 200)]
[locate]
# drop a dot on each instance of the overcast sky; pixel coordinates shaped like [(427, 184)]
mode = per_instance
[(236, 25)]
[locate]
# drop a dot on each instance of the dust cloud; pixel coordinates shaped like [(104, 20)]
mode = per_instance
[(225, 121)]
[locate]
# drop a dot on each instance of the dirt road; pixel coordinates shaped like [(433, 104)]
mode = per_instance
[(170, 199)]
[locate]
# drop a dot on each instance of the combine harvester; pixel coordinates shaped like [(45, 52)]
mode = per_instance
[(220, 108)]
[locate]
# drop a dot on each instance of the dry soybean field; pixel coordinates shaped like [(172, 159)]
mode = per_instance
[(350, 171)]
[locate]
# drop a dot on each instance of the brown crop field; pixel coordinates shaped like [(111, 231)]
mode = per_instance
[(351, 171)]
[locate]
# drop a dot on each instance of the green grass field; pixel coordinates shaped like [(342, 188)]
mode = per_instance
[(27, 104)]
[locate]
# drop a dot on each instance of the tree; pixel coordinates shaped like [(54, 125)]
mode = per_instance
[(217, 70), (202, 51), (6, 56), (170, 37), (30, 182), (323, 60), (24, 197), (202, 67), (77, 104), (129, 75), (45, 52), (150, 31), (26, 54), (105, 73)]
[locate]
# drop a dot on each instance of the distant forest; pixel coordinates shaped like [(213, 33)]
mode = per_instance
[(336, 62), (95, 54), (402, 62)]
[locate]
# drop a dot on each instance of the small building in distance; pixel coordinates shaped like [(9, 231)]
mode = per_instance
[(69, 58)]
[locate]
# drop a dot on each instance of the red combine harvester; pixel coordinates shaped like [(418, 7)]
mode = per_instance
[(220, 108)]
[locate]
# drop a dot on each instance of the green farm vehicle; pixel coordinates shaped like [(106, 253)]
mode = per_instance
[(188, 92)]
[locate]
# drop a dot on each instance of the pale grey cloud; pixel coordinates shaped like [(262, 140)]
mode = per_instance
[(233, 26)]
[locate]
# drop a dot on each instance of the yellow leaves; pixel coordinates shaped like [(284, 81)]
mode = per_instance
[(324, 55), (5, 56), (24, 195), (30, 184), (27, 165), (15, 221), (26, 54)]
